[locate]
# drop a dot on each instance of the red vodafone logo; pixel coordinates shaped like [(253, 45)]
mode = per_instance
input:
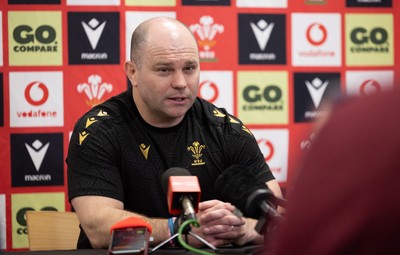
[(270, 148), (369, 87), (36, 93), (316, 34), (208, 90)]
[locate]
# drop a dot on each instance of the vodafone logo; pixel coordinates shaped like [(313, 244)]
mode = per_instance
[(316, 34), (208, 90), (370, 87), (36, 93), (267, 147)]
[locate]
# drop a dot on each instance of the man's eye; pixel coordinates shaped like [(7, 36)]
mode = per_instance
[(190, 68)]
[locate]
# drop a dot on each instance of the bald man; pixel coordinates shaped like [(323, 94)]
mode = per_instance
[(120, 149)]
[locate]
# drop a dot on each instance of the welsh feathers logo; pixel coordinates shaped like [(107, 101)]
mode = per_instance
[(94, 89), (206, 30)]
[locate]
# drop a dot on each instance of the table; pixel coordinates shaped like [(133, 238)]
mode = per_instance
[(245, 250)]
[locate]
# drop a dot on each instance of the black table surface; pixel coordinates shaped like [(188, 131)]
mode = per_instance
[(246, 250)]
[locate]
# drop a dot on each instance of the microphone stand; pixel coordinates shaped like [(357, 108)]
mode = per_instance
[(186, 231)]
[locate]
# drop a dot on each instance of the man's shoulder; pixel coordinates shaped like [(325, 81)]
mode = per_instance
[(217, 116), (104, 116)]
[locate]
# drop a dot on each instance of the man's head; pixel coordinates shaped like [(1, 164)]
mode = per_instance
[(164, 70)]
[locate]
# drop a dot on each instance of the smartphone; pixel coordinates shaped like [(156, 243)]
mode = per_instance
[(129, 241)]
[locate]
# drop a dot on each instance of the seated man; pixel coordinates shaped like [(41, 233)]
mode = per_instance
[(120, 149)]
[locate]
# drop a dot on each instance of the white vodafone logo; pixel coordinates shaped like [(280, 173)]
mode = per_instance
[(217, 88), (208, 90), (36, 93), (316, 34), (36, 99), (367, 82), (370, 87), (267, 148), (274, 145)]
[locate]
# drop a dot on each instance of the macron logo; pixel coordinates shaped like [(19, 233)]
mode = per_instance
[(262, 31), (316, 89), (37, 152), (93, 31)]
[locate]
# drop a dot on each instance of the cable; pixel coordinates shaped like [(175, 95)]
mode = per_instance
[(184, 244)]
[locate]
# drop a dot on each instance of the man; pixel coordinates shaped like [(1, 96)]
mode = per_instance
[(345, 199), (120, 149)]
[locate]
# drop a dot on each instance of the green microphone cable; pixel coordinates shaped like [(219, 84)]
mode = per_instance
[(184, 244)]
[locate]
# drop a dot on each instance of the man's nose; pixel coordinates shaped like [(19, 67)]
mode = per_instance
[(179, 80)]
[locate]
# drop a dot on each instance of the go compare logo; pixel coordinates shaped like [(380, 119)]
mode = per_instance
[(370, 40), (35, 38)]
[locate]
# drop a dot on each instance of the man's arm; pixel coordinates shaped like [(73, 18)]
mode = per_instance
[(97, 214), (251, 235)]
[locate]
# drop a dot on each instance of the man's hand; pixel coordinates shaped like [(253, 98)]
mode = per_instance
[(219, 225)]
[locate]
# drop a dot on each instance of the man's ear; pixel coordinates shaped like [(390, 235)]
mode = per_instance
[(130, 70)]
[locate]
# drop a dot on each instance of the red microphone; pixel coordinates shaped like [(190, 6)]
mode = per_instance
[(130, 236), (183, 192)]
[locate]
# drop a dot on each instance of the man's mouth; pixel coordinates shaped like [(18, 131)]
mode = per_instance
[(178, 99)]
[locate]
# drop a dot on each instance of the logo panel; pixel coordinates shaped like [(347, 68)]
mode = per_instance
[(34, 1), (274, 144), (1, 38), (360, 83), (88, 88), (261, 38), (21, 203), (1, 101), (35, 38), (299, 144), (94, 36), (207, 2), (262, 3), (369, 39), (91, 2), (210, 27), (313, 93), (3, 236), (133, 19), (150, 2), (363, 3), (263, 97), (217, 88), (36, 99), (318, 39), (37, 160)]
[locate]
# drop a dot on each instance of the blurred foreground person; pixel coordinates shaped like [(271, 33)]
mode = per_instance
[(345, 199)]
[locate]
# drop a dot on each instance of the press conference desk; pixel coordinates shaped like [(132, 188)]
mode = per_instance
[(247, 250)]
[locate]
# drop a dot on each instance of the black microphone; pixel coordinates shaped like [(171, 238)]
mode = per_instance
[(183, 192), (250, 195)]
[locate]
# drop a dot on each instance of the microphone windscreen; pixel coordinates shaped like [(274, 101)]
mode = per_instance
[(235, 185), (173, 171), (131, 222)]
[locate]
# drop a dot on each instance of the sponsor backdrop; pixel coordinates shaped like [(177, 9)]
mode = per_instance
[(276, 64)]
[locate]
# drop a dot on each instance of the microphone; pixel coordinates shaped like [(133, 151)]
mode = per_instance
[(130, 236), (183, 192), (250, 195)]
